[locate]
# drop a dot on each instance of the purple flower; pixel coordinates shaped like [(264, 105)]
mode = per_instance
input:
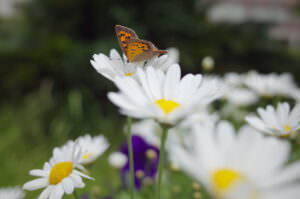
[(86, 196), (146, 157)]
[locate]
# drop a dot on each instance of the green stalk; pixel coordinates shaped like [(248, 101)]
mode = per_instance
[(161, 159), (130, 152), (75, 195)]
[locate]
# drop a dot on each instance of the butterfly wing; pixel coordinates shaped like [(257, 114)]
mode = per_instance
[(141, 50), (124, 34)]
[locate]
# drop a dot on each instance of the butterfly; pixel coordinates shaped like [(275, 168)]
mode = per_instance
[(134, 48)]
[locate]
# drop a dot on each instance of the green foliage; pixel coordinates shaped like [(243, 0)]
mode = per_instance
[(56, 39), (31, 127), (50, 93)]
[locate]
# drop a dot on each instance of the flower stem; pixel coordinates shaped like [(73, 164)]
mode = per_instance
[(130, 152), (161, 159), (75, 195)]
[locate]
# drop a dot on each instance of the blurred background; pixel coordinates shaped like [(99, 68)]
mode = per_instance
[(50, 93)]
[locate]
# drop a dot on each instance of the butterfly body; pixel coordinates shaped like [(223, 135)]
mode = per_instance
[(134, 48)]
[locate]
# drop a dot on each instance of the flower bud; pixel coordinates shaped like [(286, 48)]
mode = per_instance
[(208, 64)]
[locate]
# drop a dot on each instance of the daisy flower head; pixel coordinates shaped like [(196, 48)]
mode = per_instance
[(234, 79), (269, 85), (12, 193), (239, 165), (91, 147), (165, 97), (115, 65), (281, 121), (60, 174), (235, 92), (241, 96)]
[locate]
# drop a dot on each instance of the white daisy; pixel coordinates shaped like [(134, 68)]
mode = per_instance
[(59, 175), (91, 147), (270, 85), (12, 193), (236, 93), (280, 122), (116, 66), (233, 90), (296, 95), (241, 96), (234, 79), (162, 96), (245, 165)]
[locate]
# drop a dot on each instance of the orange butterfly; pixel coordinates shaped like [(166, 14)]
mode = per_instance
[(134, 48)]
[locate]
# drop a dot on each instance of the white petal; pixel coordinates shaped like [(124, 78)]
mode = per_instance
[(68, 185), (57, 192), (83, 175), (257, 123), (225, 135), (114, 54), (121, 100), (187, 88), (286, 192), (76, 179), (142, 77), (153, 82), (38, 172), (295, 115), (57, 155), (287, 175), (131, 89), (46, 193), (81, 185), (36, 184), (172, 81), (47, 166)]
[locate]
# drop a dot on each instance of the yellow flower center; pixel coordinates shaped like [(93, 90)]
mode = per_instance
[(167, 105), (223, 179), (287, 128), (140, 174), (60, 171), (86, 156), (151, 154), (128, 74)]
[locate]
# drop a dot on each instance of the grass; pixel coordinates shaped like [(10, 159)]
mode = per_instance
[(35, 124)]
